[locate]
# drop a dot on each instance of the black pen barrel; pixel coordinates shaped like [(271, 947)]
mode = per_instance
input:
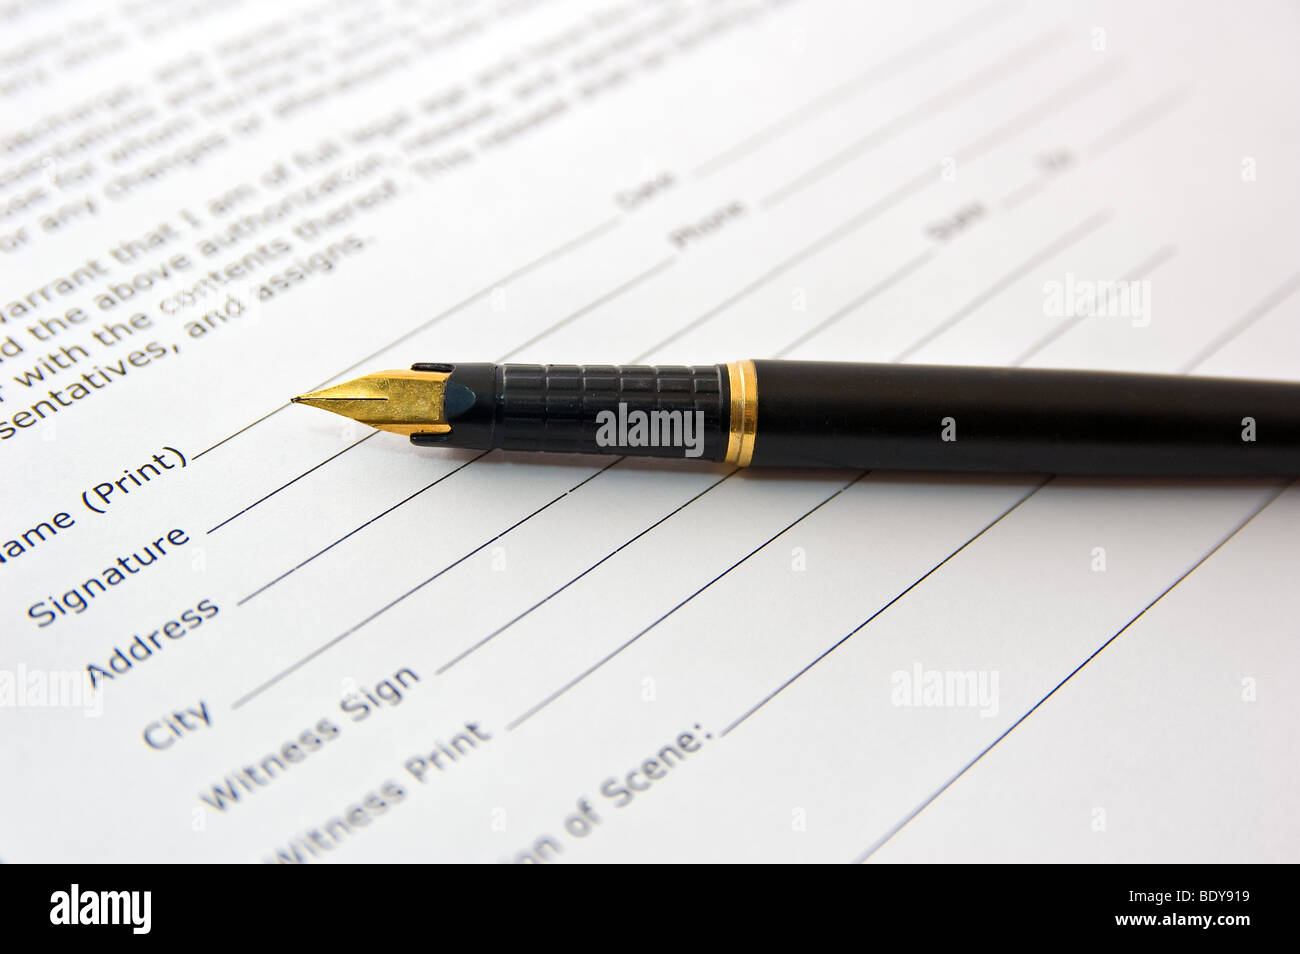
[(931, 417), (880, 416)]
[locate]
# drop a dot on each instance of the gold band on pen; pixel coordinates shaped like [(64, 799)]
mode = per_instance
[(744, 412)]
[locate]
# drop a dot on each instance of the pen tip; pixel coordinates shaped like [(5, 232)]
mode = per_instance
[(404, 402)]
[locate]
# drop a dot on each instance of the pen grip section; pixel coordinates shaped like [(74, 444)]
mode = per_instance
[(637, 410), (665, 411)]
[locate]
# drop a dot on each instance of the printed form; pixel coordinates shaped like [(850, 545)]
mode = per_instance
[(237, 630)]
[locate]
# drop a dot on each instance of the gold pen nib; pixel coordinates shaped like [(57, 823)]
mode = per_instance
[(404, 402)]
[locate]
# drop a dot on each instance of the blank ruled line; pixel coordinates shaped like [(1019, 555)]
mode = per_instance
[(877, 845), (554, 593), (592, 306), (879, 288), (926, 49), (524, 717), (1129, 127), (866, 622), (249, 696), (1045, 108), (483, 292), (1271, 301), (1021, 193), (1138, 272), (241, 430), (541, 260), (266, 586), (1006, 64), (1045, 254), (290, 483)]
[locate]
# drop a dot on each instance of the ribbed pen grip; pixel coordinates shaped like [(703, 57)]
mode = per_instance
[(667, 411)]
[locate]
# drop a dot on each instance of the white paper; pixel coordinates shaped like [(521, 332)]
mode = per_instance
[(819, 666)]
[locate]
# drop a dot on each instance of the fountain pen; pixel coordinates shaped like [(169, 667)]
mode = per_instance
[(831, 414)]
